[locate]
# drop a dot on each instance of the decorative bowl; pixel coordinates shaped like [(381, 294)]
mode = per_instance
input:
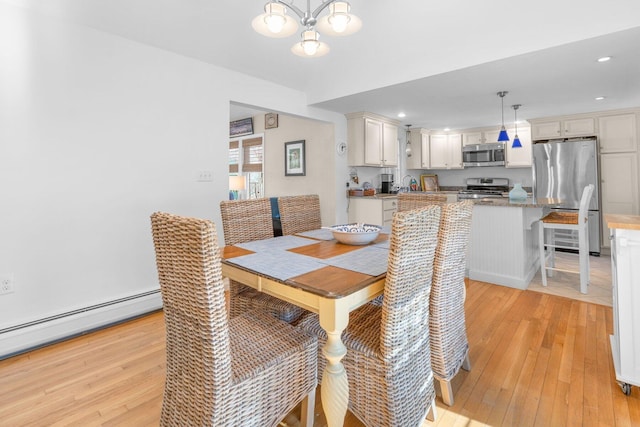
[(355, 234)]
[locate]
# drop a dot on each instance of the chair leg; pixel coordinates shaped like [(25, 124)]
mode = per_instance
[(543, 256), (584, 260), (307, 410), (551, 238), (466, 363), (431, 414), (447, 392)]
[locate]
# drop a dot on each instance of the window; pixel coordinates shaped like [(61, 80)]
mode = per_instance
[(246, 156)]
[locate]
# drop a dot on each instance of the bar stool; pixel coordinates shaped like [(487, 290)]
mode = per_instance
[(566, 221)]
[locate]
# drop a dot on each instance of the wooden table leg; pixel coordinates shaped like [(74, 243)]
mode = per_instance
[(335, 387)]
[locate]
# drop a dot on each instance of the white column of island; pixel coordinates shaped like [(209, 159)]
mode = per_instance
[(625, 268), (503, 246)]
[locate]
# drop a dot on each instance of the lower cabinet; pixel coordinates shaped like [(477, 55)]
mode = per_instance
[(625, 341), (372, 210)]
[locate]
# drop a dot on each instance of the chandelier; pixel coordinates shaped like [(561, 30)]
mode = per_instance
[(275, 22)]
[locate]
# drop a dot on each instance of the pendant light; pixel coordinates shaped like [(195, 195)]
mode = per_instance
[(503, 132), (516, 139), (408, 150)]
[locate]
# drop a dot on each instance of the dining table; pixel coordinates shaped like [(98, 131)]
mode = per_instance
[(316, 272)]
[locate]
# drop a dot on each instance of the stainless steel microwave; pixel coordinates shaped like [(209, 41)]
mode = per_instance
[(483, 155)]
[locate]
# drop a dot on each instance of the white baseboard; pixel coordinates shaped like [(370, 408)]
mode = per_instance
[(18, 340)]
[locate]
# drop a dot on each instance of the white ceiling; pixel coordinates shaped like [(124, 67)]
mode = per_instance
[(441, 62)]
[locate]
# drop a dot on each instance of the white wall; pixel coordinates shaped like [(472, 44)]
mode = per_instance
[(96, 133), (320, 159)]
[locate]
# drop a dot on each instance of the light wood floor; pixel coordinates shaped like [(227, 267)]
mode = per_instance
[(537, 360), (568, 284)]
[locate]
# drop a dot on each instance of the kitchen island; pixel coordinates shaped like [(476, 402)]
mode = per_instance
[(503, 246)]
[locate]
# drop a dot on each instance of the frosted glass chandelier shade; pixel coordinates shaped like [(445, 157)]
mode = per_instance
[(274, 22)]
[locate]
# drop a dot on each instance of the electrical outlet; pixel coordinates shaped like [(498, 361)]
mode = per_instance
[(205, 176), (6, 284)]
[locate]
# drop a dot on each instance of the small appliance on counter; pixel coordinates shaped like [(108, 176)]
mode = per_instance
[(387, 182)]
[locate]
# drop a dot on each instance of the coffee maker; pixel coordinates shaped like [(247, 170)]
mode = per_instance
[(387, 182)]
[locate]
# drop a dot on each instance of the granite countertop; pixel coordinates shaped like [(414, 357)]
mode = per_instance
[(628, 222), (529, 202)]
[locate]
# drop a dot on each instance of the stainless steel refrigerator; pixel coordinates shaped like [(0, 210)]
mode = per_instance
[(561, 169)]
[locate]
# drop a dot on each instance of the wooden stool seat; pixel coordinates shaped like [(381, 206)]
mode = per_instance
[(561, 218)]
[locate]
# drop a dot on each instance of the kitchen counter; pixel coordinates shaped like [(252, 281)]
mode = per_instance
[(625, 222), (530, 202)]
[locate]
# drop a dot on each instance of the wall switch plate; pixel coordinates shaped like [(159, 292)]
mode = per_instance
[(6, 284), (205, 176)]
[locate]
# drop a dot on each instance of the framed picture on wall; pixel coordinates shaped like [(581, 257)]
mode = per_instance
[(270, 121), (294, 158), (241, 127), (429, 182)]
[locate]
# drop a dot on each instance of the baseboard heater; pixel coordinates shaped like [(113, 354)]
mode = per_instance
[(38, 333)]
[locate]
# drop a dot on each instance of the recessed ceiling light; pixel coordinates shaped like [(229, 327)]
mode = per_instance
[(604, 59), (599, 98), (402, 115), (447, 129)]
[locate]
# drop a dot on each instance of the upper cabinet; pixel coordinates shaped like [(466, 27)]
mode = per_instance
[(618, 133), (519, 157), (372, 140), (419, 149), (445, 151), (568, 128), (472, 138)]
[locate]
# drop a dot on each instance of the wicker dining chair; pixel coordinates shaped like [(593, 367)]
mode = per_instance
[(447, 326), (388, 358), (245, 221), (251, 370), (409, 201), (299, 213)]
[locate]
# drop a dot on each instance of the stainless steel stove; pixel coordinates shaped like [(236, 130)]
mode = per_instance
[(482, 188)]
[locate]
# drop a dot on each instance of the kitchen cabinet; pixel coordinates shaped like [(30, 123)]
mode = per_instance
[(519, 157), (618, 139), (472, 138), (445, 151), (420, 149), (372, 140), (372, 210), (617, 133), (618, 187), (567, 128), (625, 341)]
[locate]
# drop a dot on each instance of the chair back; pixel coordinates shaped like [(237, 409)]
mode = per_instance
[(405, 308), (197, 343), (299, 213), (583, 211), (449, 343), (246, 220), (409, 201)]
